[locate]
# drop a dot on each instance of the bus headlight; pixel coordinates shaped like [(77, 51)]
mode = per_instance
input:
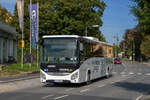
[(74, 76), (43, 76)]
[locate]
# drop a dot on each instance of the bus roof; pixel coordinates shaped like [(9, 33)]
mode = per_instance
[(53, 36), (76, 36)]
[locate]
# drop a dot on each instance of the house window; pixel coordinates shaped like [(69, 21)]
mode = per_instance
[(109, 51)]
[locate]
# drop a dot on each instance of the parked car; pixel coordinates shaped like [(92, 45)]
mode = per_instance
[(117, 61)]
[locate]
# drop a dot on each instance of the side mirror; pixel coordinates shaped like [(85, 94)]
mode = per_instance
[(41, 42), (81, 46)]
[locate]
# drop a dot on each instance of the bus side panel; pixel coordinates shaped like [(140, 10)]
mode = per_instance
[(93, 65), (97, 66), (84, 67)]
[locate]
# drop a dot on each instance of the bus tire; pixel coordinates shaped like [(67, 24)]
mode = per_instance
[(88, 78)]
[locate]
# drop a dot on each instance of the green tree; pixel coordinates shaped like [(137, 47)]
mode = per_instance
[(132, 41), (142, 12), (69, 17), (5, 15), (145, 46)]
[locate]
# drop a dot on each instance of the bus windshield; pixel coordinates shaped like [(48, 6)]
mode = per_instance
[(59, 50)]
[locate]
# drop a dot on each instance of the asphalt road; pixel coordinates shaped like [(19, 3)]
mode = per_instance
[(130, 81)]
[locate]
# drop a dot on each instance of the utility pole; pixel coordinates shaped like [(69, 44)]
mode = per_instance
[(117, 39), (133, 54)]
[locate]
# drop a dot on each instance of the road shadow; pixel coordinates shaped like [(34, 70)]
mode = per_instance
[(137, 87), (66, 85)]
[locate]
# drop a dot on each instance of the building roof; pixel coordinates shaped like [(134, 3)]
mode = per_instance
[(7, 28)]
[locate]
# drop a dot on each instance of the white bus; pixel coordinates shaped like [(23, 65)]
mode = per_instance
[(72, 59)]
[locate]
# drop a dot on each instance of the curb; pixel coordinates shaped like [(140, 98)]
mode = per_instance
[(146, 64), (146, 97), (23, 77)]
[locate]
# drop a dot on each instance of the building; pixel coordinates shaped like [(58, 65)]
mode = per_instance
[(8, 43), (108, 49)]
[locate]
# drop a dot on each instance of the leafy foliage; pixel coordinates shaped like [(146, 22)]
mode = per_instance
[(142, 11), (138, 37), (132, 41), (145, 46), (5, 15), (64, 17)]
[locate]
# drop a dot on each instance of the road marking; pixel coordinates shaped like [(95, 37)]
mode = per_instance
[(1, 81), (47, 96), (125, 67), (101, 86), (113, 82), (123, 64), (122, 73), (84, 90), (114, 72), (131, 73), (147, 74), (139, 73), (61, 97), (138, 98), (69, 89)]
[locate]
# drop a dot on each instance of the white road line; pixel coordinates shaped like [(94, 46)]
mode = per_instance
[(69, 89), (139, 73), (131, 73), (47, 96), (84, 90), (101, 86), (122, 73), (139, 97), (1, 81), (114, 72), (147, 74), (123, 64), (113, 82), (61, 97)]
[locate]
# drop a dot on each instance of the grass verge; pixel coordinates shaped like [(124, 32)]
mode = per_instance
[(15, 69)]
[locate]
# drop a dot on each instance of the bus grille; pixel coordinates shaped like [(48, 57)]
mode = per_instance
[(58, 74)]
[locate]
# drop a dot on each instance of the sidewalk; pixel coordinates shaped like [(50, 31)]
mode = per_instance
[(147, 97), (26, 76), (146, 63)]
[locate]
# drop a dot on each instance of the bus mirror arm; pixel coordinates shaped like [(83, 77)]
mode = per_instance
[(81, 52), (81, 61)]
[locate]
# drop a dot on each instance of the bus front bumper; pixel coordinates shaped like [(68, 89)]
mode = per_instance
[(69, 78)]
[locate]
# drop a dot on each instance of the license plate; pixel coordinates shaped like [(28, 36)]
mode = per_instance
[(58, 80)]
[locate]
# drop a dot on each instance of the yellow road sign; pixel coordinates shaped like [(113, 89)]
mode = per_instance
[(21, 43)]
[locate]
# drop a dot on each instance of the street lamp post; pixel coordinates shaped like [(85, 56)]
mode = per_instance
[(133, 54), (89, 26)]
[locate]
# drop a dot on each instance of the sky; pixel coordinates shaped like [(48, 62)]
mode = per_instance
[(8, 4), (116, 18)]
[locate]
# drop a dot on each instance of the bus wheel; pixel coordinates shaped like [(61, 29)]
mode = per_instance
[(88, 78)]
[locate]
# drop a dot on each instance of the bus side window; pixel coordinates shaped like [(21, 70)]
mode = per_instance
[(82, 52)]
